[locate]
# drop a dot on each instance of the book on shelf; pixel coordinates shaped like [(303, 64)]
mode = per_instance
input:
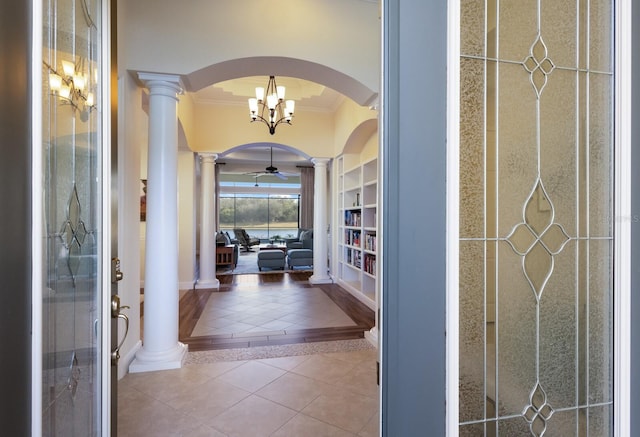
[(370, 264), (352, 218), (370, 242), (352, 237)]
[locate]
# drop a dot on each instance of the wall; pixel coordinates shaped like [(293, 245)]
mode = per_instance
[(186, 220), (344, 34)]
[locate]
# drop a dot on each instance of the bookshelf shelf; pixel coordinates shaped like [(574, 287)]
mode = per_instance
[(357, 229)]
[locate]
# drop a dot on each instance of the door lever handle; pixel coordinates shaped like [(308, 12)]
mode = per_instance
[(117, 314)]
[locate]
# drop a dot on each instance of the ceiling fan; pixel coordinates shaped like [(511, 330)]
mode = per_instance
[(270, 170)]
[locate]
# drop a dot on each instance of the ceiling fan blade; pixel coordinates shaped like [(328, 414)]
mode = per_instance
[(280, 175)]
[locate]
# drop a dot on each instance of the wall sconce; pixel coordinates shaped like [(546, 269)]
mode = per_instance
[(72, 86)]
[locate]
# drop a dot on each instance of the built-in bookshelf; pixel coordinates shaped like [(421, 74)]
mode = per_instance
[(357, 229)]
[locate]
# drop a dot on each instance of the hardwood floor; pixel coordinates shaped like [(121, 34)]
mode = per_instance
[(193, 302)]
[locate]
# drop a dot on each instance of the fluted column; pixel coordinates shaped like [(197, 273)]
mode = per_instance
[(160, 347), (207, 277), (320, 273)]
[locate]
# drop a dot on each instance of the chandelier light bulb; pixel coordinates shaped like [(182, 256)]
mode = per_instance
[(55, 82), (79, 82), (68, 68), (280, 92), (259, 93), (272, 101), (65, 91), (89, 101)]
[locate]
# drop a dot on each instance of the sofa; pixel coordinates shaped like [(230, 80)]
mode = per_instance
[(304, 240)]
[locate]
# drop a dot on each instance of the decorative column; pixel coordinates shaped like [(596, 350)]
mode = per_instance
[(320, 274), (160, 347), (207, 277)]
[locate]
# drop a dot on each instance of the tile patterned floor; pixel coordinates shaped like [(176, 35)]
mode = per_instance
[(322, 394), (267, 311)]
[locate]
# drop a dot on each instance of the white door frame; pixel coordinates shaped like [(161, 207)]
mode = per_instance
[(622, 216)]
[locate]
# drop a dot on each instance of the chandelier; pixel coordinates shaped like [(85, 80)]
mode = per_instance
[(72, 86), (273, 109)]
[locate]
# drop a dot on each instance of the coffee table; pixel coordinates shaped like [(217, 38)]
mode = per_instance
[(274, 247)]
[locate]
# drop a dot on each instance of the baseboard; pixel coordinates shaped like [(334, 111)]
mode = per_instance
[(125, 361)]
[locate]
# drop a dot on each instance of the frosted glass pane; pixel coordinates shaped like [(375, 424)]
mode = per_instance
[(472, 128), (472, 20), (558, 28), (558, 331), (558, 145), (600, 420), (562, 424), (600, 155), (600, 42), (600, 326), (517, 28), (516, 334), (517, 154), (473, 430), (513, 427), (472, 331)]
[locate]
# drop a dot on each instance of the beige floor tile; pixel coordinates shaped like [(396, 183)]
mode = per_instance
[(216, 369), (293, 391), (286, 363), (252, 417), (203, 431), (324, 368), (371, 429), (362, 379), (166, 384), (343, 409), (149, 417), (302, 425), (211, 399), (252, 376)]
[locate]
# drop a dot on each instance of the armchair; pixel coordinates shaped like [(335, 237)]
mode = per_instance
[(245, 240), (303, 241)]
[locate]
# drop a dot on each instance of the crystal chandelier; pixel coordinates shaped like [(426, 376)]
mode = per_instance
[(273, 109)]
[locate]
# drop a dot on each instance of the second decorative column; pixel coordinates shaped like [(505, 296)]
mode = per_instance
[(207, 278), (320, 252)]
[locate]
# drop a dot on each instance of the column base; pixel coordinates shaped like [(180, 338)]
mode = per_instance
[(207, 283), (317, 279), (150, 361)]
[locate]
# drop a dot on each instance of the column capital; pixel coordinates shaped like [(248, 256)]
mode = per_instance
[(320, 162), (167, 84), (208, 157)]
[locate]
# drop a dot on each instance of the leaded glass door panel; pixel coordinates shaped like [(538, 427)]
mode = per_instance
[(73, 326), (536, 214)]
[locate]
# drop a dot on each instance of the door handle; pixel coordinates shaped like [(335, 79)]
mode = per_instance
[(116, 273), (116, 313)]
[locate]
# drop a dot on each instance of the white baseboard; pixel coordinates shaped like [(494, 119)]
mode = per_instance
[(125, 361)]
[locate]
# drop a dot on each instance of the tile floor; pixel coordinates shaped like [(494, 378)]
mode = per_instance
[(269, 311), (323, 394)]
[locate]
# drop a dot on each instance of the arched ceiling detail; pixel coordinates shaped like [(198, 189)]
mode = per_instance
[(281, 66)]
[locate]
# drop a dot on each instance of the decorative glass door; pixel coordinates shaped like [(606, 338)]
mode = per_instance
[(72, 130), (536, 215)]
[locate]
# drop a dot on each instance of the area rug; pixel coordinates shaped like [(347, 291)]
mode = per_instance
[(248, 265)]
